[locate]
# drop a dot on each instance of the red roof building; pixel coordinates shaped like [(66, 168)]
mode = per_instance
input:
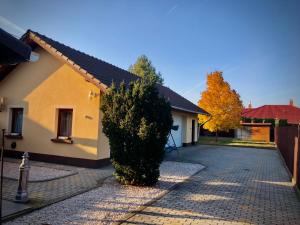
[(289, 112)]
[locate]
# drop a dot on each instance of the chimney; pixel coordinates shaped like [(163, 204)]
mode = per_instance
[(291, 102), (250, 105)]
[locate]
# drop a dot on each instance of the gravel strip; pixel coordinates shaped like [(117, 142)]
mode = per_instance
[(37, 173), (110, 202)]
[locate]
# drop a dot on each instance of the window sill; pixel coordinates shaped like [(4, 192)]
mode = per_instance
[(63, 141), (13, 136)]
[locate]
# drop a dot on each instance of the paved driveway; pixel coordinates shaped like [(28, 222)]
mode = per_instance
[(45, 192), (239, 186)]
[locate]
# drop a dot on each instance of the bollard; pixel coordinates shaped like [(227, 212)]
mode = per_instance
[(22, 194)]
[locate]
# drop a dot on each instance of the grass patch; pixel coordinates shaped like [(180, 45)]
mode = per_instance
[(235, 142)]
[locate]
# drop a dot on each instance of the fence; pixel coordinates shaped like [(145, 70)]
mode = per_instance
[(288, 143)]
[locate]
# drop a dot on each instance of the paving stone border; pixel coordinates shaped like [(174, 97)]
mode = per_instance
[(111, 201), (43, 180), (42, 194), (240, 146)]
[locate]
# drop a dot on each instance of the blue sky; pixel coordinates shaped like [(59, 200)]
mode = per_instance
[(256, 43)]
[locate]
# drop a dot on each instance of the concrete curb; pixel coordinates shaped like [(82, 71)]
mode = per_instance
[(240, 146), (17, 214), (42, 205), (45, 180)]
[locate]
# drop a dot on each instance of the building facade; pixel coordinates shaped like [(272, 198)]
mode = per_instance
[(51, 108)]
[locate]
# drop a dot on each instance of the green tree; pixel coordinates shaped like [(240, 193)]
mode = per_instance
[(143, 67), (137, 122)]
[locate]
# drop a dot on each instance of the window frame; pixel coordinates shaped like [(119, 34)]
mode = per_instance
[(12, 120), (60, 111)]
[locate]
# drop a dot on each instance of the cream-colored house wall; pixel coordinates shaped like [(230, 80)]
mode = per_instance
[(41, 88), (187, 126), (103, 142), (188, 129)]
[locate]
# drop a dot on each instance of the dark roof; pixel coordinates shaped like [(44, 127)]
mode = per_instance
[(287, 112), (105, 72), (12, 49), (108, 73), (178, 102)]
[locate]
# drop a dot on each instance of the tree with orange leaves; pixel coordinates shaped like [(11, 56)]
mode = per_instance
[(222, 102)]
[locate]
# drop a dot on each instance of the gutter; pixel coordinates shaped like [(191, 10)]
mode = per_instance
[(191, 111)]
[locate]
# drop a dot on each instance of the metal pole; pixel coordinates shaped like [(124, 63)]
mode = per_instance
[(1, 175), (210, 117), (22, 194)]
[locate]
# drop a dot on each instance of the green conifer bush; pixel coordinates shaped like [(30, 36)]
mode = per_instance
[(137, 121)]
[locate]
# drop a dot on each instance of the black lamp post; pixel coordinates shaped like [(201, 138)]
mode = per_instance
[(1, 174)]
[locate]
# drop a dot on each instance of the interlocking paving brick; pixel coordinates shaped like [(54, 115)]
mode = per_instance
[(239, 186), (46, 192)]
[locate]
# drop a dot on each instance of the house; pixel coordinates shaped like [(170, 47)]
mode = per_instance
[(12, 49), (259, 127), (51, 107)]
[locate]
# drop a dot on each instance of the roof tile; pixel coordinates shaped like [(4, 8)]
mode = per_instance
[(108, 73), (287, 112)]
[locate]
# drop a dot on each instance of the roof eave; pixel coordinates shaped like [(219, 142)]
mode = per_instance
[(190, 111), (89, 77), (53, 51)]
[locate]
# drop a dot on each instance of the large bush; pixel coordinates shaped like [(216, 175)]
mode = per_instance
[(137, 121)]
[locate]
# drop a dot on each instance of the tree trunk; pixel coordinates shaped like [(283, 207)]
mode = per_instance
[(216, 135)]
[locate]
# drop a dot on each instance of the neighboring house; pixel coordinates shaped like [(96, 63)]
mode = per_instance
[(52, 106), (264, 131)]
